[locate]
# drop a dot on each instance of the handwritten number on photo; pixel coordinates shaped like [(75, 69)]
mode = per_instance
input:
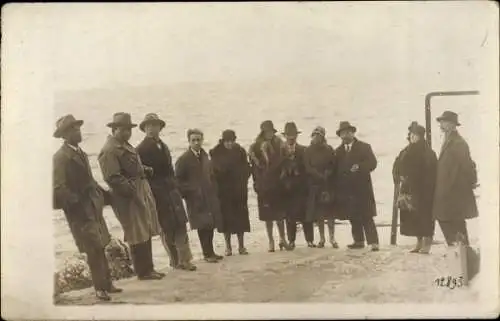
[(449, 282)]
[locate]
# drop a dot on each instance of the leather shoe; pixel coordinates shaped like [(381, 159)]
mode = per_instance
[(211, 259), (356, 246), (187, 267), (150, 276), (217, 257), (159, 273), (114, 289), (102, 295), (375, 248)]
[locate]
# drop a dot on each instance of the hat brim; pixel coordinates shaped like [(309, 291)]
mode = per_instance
[(151, 121), (267, 130), (60, 131), (351, 128), (115, 125), (292, 133), (447, 119)]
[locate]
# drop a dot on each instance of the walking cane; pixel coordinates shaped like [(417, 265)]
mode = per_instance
[(394, 223)]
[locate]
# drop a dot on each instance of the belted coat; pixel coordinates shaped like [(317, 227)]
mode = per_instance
[(131, 196)]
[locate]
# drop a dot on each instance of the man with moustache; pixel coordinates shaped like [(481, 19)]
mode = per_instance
[(355, 197), (198, 187), (454, 200), (171, 214), (82, 200), (132, 199)]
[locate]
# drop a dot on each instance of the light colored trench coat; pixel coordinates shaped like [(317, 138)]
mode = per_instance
[(131, 195)]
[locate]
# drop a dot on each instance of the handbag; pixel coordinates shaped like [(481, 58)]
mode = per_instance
[(405, 200)]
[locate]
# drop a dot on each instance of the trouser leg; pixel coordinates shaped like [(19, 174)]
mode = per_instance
[(321, 230), (204, 237), (370, 230), (241, 240), (168, 241), (99, 269), (331, 230), (462, 229), (308, 229), (140, 258), (449, 231), (291, 230), (182, 245), (357, 230), (227, 239), (149, 256), (211, 241)]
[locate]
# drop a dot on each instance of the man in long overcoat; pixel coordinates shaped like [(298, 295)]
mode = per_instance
[(197, 184), (294, 180), (82, 200), (355, 199), (171, 214), (454, 199), (132, 199)]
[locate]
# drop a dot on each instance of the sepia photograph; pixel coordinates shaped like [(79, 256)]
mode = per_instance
[(254, 160)]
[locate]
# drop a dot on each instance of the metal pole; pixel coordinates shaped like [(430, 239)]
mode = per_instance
[(394, 223), (428, 107)]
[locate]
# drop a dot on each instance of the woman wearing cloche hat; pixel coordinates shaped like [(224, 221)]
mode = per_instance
[(415, 169), (266, 156)]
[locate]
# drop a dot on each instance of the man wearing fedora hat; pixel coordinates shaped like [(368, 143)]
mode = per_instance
[(294, 178), (454, 199), (171, 214), (355, 197), (82, 200), (132, 199), (267, 155)]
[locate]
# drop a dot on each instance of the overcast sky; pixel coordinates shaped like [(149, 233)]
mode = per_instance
[(131, 44)]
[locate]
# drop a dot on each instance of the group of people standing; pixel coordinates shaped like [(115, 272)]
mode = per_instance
[(294, 184), (314, 184), (436, 188)]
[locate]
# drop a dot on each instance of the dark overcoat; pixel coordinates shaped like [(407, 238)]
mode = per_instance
[(266, 177), (417, 165), (320, 164), (132, 199), (354, 190), (456, 177), (156, 154), (232, 172), (80, 197), (294, 181), (199, 189)]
